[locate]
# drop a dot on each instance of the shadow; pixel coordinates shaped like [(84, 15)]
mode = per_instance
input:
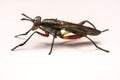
[(64, 44), (59, 45)]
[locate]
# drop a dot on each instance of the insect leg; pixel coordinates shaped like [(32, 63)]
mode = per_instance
[(74, 36), (23, 33), (42, 28), (54, 36), (83, 22), (96, 45), (46, 35)]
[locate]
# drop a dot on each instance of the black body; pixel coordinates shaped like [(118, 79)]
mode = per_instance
[(54, 27)]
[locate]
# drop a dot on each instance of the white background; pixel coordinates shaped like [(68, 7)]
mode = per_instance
[(71, 59)]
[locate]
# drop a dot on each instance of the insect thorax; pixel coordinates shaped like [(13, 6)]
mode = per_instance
[(51, 21)]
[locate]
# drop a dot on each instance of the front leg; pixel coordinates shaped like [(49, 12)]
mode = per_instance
[(45, 35), (23, 33), (29, 31)]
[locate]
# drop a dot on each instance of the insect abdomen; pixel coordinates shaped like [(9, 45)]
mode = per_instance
[(91, 31)]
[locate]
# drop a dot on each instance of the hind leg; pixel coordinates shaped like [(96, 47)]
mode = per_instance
[(83, 22), (74, 36)]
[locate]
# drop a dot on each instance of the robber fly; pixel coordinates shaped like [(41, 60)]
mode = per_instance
[(54, 27)]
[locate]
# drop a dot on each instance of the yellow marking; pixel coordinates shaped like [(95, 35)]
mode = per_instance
[(65, 37), (34, 28), (65, 33), (47, 33)]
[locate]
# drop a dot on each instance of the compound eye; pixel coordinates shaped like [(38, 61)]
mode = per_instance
[(38, 18)]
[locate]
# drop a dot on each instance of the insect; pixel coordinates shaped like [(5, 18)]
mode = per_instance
[(54, 27)]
